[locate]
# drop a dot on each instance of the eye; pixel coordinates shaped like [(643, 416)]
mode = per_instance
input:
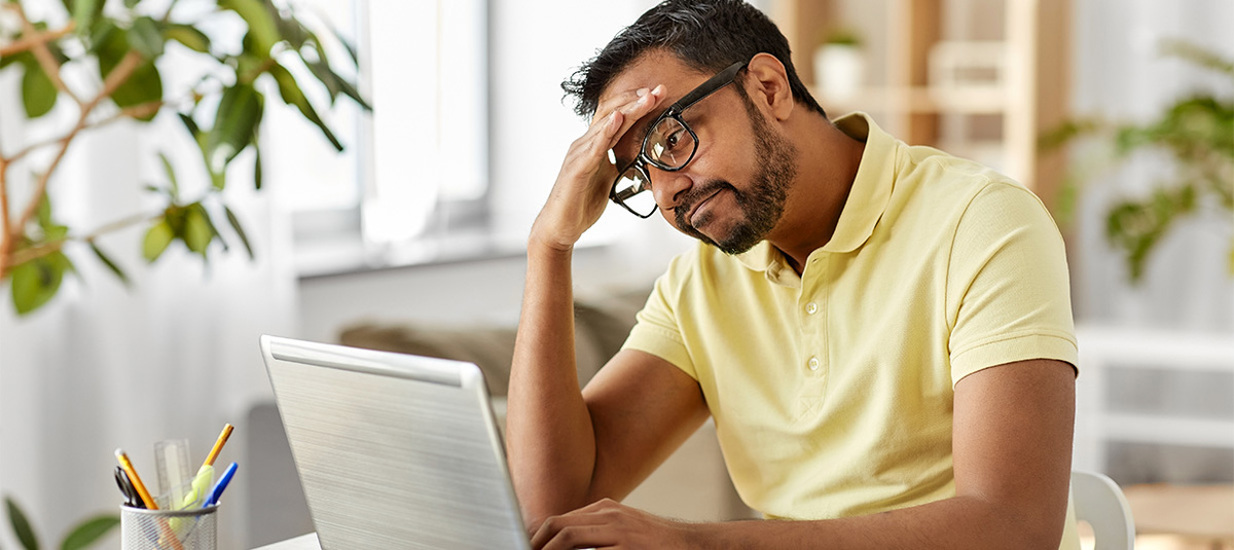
[(671, 140)]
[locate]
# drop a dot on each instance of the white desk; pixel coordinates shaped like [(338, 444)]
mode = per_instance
[(302, 542)]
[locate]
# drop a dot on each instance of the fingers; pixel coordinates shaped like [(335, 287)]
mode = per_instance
[(590, 525), (631, 107)]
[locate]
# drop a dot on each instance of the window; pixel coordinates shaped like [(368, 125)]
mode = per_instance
[(418, 166)]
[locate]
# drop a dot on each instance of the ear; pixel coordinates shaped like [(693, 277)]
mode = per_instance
[(767, 85)]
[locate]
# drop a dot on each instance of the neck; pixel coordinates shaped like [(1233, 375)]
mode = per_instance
[(827, 165)]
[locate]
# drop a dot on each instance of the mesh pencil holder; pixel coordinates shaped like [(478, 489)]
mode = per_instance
[(194, 529)]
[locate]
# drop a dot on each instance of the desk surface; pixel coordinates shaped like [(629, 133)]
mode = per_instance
[(303, 542)]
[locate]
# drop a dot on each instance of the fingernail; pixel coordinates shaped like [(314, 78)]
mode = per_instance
[(658, 90), (641, 92)]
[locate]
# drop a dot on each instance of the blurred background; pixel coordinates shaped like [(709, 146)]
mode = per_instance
[(423, 216)]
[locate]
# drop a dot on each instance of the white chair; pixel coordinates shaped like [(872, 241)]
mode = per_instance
[(1100, 502)]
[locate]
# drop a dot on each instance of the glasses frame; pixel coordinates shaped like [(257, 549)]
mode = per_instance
[(674, 111)]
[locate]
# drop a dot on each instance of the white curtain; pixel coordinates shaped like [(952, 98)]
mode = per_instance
[(102, 366)]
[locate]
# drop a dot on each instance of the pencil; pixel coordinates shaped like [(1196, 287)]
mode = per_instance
[(133, 477), (218, 445)]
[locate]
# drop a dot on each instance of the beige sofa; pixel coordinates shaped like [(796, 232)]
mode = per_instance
[(693, 484)]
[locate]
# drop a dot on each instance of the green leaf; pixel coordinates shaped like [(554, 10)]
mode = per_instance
[(142, 86), (85, 12), (191, 125), (188, 35), (171, 176), (351, 50), (263, 32), (21, 525), (107, 261), (145, 37), (35, 283), (292, 95), (198, 231), (89, 531), (256, 165), (239, 112), (38, 93), (235, 225), (19, 57), (157, 238), (44, 211), (335, 83)]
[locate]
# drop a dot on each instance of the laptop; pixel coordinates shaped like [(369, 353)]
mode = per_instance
[(393, 450)]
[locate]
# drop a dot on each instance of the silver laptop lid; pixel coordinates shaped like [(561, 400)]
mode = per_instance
[(393, 450)]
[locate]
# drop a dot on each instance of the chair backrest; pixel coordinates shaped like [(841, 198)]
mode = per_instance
[(1100, 502)]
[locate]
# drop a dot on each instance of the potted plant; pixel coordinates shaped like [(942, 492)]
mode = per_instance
[(839, 66), (1197, 133), (121, 44)]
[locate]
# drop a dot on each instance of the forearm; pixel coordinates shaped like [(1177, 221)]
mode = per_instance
[(953, 524), (549, 437)]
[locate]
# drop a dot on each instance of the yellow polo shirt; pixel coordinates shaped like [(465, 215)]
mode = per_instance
[(832, 392)]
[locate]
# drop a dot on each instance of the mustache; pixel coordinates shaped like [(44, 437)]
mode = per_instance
[(696, 194)]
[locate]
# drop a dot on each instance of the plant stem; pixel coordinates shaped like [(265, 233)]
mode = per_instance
[(7, 235), (123, 70), (30, 41), (136, 111), (36, 252), (43, 54)]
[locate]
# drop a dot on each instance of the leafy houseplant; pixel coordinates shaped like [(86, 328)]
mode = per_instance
[(1198, 134), (83, 535), (222, 113)]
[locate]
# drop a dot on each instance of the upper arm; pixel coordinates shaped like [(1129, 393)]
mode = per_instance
[(1012, 439), (642, 408)]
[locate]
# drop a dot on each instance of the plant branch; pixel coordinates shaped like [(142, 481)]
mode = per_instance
[(123, 70), (6, 236), (28, 42), (36, 252), (43, 54)]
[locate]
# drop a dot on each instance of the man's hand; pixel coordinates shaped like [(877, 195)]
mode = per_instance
[(579, 195), (609, 524)]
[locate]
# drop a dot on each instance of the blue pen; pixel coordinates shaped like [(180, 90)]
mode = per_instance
[(212, 497)]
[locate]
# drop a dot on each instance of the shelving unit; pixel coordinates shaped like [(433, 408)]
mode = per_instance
[(1031, 95)]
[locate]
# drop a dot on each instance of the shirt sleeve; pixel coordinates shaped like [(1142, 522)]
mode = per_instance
[(1008, 295), (656, 330)]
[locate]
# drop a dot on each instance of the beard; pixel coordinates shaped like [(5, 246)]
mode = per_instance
[(762, 205)]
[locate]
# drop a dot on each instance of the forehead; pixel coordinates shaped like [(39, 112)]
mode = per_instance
[(649, 70)]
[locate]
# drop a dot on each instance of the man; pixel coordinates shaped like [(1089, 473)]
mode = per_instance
[(882, 333)]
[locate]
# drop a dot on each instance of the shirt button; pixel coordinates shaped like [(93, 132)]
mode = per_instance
[(811, 308), (813, 363)]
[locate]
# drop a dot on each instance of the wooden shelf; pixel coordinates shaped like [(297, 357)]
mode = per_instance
[(1032, 92), (899, 100)]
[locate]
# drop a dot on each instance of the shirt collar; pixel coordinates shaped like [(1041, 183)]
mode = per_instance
[(866, 200)]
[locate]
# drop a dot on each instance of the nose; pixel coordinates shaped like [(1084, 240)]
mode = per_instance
[(668, 188)]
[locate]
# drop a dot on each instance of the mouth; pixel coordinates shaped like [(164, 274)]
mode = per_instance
[(697, 210)]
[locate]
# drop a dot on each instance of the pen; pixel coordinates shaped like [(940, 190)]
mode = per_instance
[(135, 480), (218, 445), (145, 497), (221, 486), (205, 474)]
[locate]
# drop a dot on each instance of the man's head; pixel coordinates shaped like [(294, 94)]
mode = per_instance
[(732, 195), (706, 35)]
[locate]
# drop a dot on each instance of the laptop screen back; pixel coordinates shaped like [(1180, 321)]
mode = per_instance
[(393, 450)]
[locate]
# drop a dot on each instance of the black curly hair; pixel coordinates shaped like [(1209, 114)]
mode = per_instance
[(706, 35)]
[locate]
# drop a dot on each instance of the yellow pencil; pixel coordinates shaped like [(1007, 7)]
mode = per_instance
[(136, 480), (218, 445)]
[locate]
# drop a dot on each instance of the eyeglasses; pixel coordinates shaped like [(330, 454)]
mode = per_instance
[(669, 145)]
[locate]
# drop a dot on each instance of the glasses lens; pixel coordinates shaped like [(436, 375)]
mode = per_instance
[(670, 144), (633, 190)]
